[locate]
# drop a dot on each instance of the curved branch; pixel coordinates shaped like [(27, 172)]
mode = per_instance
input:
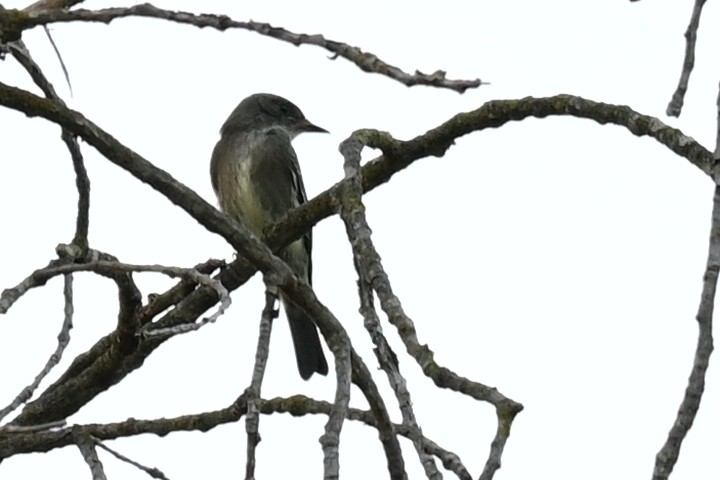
[(352, 212), (82, 180), (369, 266), (15, 21), (20, 441)]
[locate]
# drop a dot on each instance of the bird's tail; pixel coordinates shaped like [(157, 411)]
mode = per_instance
[(308, 350)]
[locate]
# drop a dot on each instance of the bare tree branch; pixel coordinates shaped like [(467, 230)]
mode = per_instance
[(82, 181), (196, 277), (367, 262), (669, 453), (676, 103), (297, 405), (63, 341), (129, 296), (252, 393), (17, 20), (87, 449), (112, 268), (152, 471), (352, 212), (157, 303), (330, 440), (9, 296)]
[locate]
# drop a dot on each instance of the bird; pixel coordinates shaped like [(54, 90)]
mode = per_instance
[(256, 178)]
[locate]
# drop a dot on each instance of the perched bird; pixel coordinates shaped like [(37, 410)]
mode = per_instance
[(256, 178)]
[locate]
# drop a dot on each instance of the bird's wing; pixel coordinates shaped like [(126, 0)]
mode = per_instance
[(301, 196), (280, 162)]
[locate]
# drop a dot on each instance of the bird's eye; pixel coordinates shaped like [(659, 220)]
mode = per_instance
[(284, 109)]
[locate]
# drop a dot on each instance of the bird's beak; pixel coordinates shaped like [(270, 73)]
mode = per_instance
[(306, 126)]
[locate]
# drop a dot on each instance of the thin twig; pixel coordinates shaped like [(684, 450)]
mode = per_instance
[(59, 57), (104, 267), (152, 471), (676, 103), (157, 303), (9, 296), (252, 393), (63, 341), (82, 181)]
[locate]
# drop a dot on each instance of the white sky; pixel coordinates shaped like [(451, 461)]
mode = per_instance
[(557, 260)]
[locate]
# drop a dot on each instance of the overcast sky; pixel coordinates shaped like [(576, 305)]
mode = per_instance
[(558, 260)]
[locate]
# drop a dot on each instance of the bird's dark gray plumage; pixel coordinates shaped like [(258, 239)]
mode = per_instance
[(256, 177)]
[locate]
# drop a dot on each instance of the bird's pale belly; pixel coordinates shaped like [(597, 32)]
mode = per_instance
[(243, 199), (243, 202)]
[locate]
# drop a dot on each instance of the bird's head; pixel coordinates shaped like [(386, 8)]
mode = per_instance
[(265, 110)]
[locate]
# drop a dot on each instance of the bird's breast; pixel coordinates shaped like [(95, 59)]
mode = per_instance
[(238, 195)]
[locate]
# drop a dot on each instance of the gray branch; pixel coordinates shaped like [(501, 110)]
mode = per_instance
[(676, 103), (152, 471), (63, 341), (87, 449), (15, 21), (367, 261), (252, 393), (670, 452), (24, 441)]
